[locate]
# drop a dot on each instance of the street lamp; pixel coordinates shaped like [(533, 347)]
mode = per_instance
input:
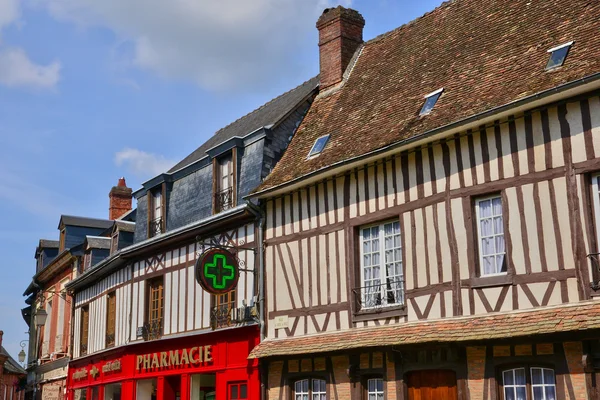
[(22, 354), (40, 317)]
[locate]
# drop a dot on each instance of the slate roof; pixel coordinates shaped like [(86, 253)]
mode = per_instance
[(11, 365), (484, 53), (48, 244), (575, 317), (268, 114), (125, 226), (97, 242), (85, 222)]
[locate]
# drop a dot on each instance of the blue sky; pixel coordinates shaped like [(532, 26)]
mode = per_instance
[(91, 90)]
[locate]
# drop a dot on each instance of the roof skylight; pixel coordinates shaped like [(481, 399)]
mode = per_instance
[(558, 55), (318, 147), (430, 101)]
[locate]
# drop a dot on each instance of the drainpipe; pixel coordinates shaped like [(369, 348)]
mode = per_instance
[(261, 266)]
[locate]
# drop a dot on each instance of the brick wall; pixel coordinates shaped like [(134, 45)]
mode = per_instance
[(573, 354), (476, 371)]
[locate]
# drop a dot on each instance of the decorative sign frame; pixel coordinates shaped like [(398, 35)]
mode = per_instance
[(217, 270)]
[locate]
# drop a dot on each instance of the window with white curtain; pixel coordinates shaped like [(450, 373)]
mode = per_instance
[(490, 232), (310, 389), (541, 384), (382, 276), (375, 389)]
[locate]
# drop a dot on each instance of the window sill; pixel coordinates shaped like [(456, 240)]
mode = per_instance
[(383, 312), (491, 281)]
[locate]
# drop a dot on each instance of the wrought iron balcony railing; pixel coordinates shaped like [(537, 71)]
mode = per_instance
[(381, 294), (156, 227), (153, 330), (224, 199), (225, 315), (110, 339)]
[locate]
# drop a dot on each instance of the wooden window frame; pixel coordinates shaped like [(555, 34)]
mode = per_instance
[(111, 295), (364, 381), (296, 377), (84, 329), (528, 377), (148, 308), (477, 237), (356, 271), (151, 195), (216, 186)]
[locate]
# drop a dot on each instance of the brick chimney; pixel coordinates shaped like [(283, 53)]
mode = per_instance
[(120, 199), (340, 34)]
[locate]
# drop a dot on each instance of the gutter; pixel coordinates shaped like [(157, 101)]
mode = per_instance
[(458, 125)]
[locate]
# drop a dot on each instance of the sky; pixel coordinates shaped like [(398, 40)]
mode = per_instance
[(92, 90)]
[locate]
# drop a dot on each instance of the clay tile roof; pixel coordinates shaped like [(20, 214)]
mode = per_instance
[(575, 317), (484, 53)]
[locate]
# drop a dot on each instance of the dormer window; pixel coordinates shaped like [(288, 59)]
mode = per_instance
[(114, 242), (558, 55), (224, 182), (156, 208), (430, 101), (318, 147)]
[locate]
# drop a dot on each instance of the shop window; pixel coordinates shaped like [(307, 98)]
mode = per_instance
[(373, 389), (146, 389), (528, 383), (111, 311), (310, 389), (202, 386), (490, 232), (237, 391), (155, 306), (112, 391), (84, 329), (224, 187), (156, 220), (381, 271), (80, 394)]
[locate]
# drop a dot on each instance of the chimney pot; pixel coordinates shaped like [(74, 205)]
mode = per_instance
[(340, 34), (120, 199)]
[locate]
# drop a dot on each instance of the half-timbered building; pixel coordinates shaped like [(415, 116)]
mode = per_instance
[(144, 328), (432, 229)]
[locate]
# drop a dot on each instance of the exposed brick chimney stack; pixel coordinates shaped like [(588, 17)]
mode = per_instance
[(120, 199), (340, 34)]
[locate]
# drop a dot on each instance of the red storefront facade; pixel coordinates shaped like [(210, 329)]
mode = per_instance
[(211, 366)]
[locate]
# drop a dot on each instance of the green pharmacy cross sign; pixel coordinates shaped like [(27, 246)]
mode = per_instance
[(217, 271)]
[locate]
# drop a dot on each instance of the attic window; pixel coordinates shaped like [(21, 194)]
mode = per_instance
[(558, 55), (430, 101), (318, 146)]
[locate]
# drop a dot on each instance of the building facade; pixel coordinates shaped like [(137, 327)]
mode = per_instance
[(11, 376), (57, 263), (432, 229), (144, 328)]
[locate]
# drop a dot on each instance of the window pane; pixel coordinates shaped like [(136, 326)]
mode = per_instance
[(508, 378), (234, 392), (548, 376), (509, 393), (538, 393), (550, 393), (305, 386), (520, 376), (536, 376), (243, 391), (521, 393)]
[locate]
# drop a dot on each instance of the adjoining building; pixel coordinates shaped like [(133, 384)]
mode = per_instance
[(147, 325), (49, 311), (432, 230), (12, 376)]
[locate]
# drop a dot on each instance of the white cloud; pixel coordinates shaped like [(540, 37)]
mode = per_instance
[(142, 164), (9, 12), (217, 44), (16, 69)]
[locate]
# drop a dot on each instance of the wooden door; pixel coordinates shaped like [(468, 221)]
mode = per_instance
[(432, 385)]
